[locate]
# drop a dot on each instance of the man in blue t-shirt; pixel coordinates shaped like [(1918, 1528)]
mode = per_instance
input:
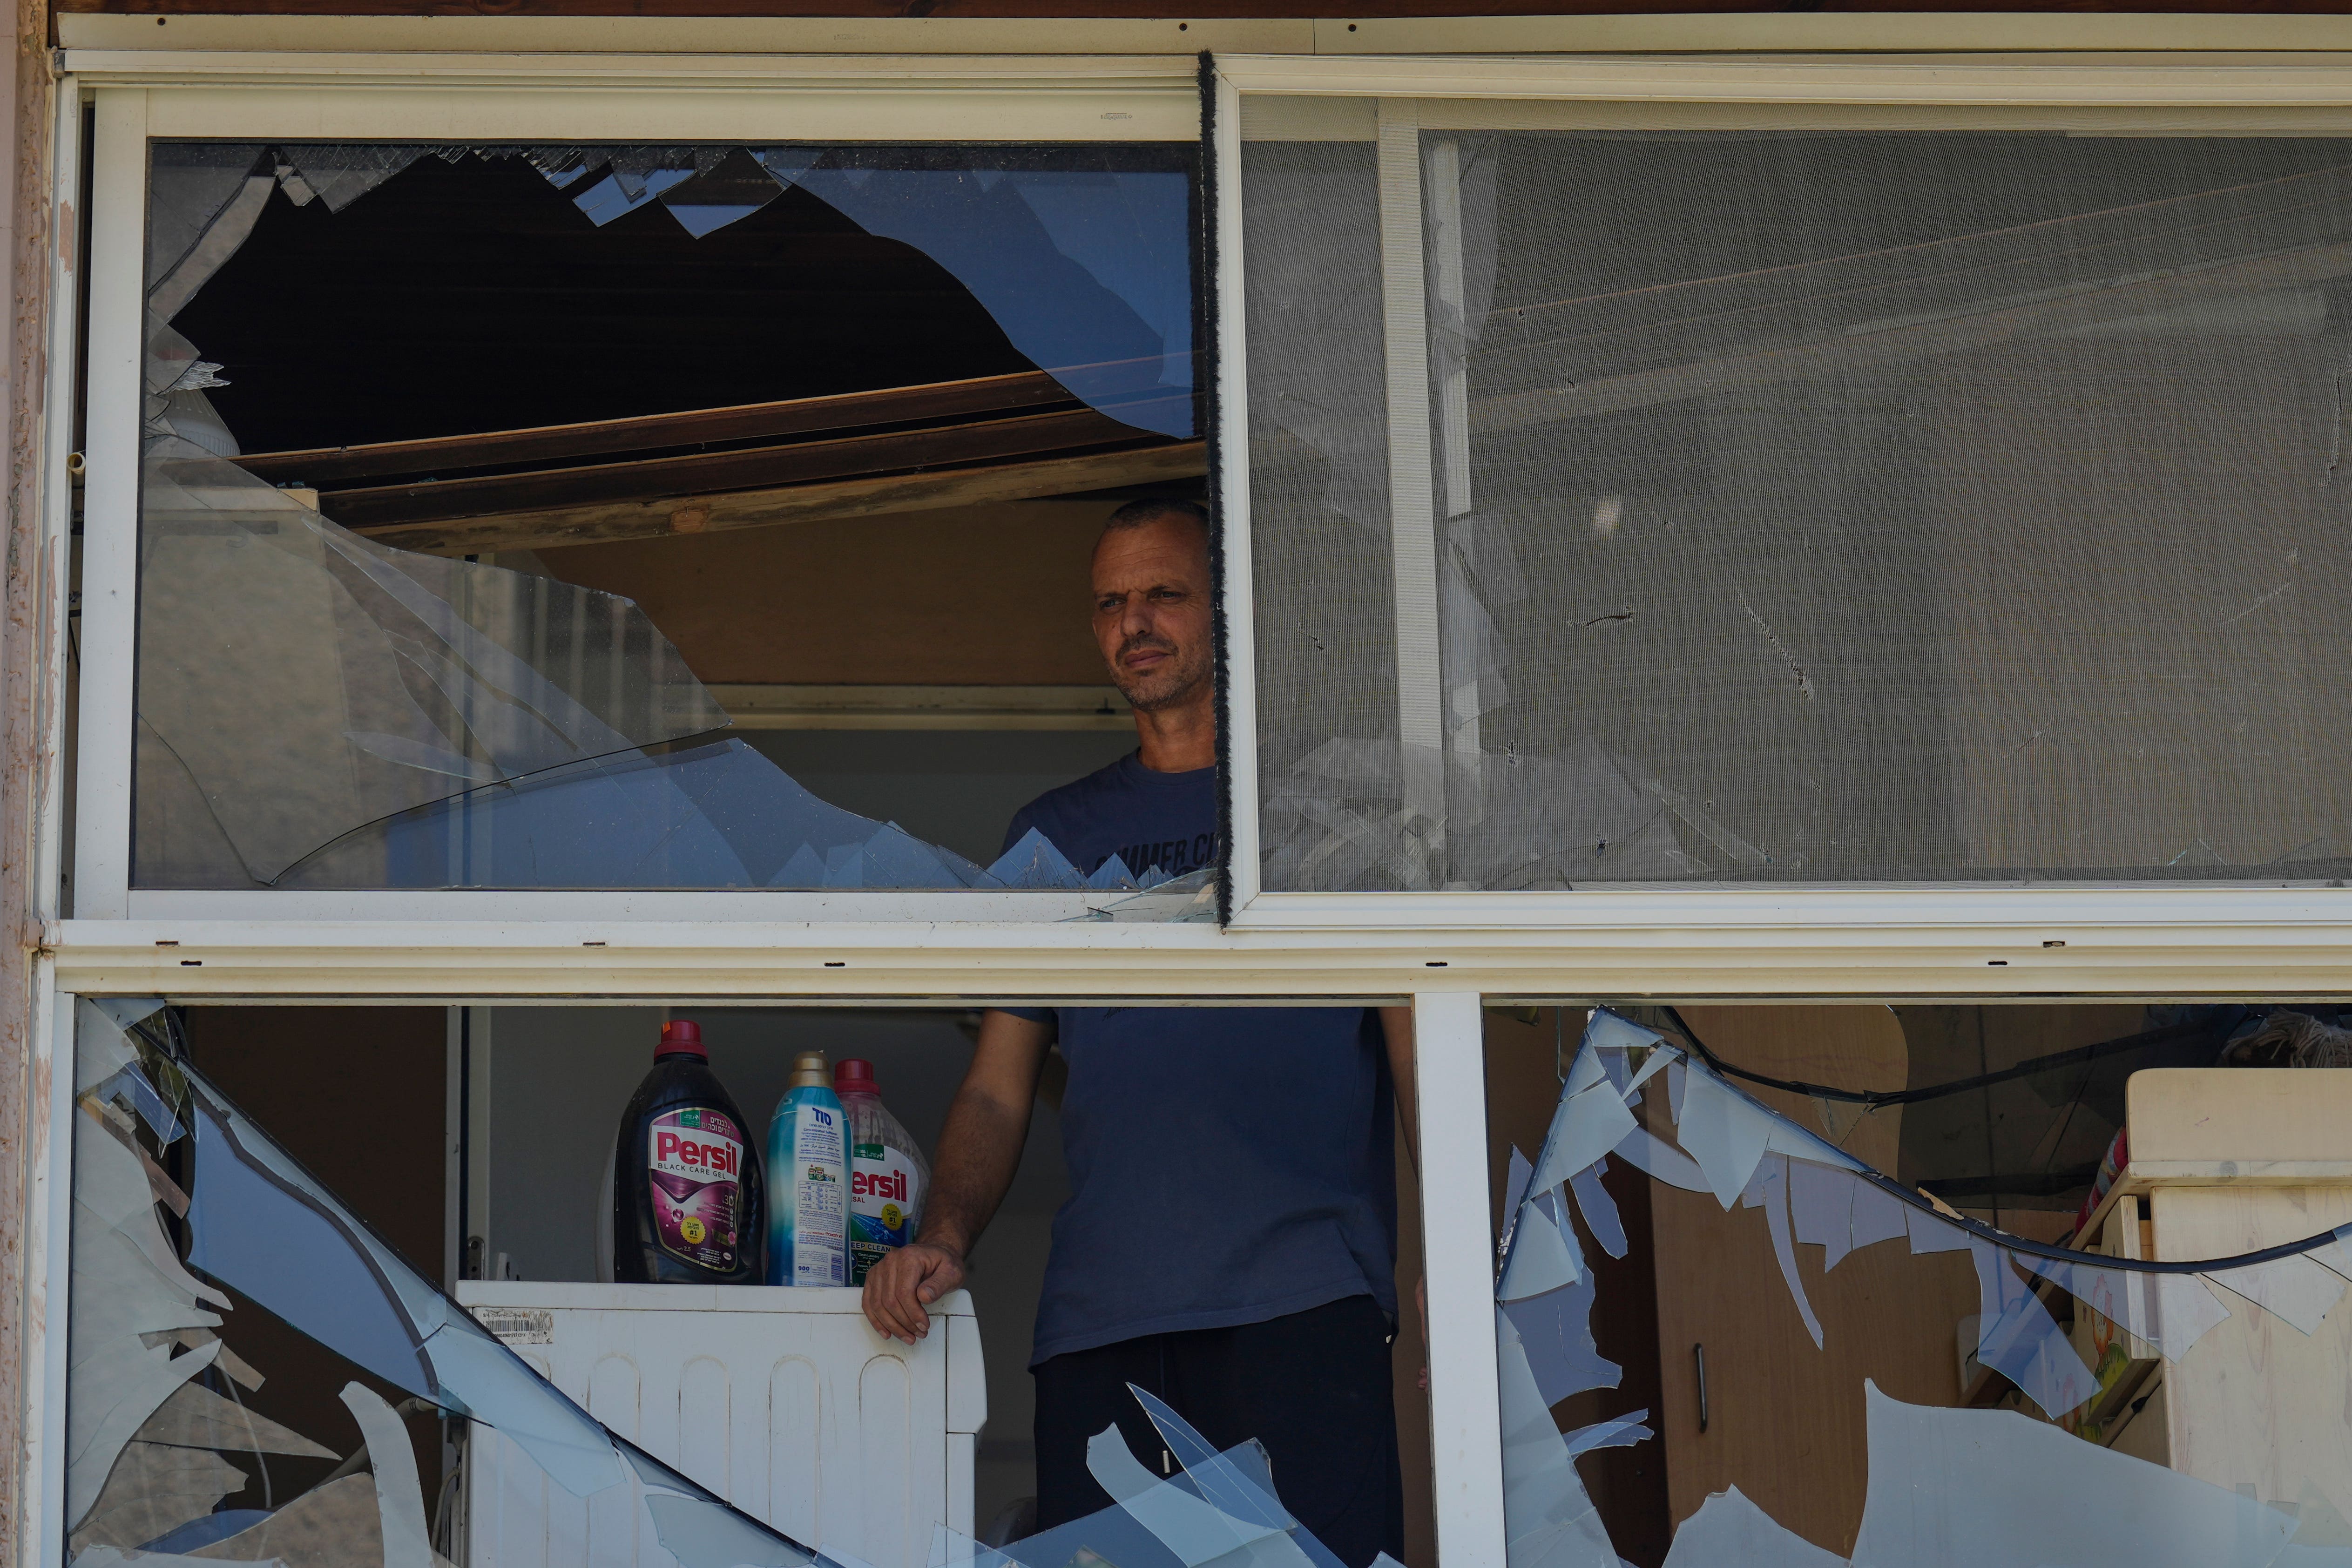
[(1230, 1241)]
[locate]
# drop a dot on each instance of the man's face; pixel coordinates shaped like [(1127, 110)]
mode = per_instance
[(1152, 612)]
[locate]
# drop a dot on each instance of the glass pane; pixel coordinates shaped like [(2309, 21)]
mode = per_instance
[(1735, 1325), (465, 475), (198, 1244), (1799, 507), (263, 1369)]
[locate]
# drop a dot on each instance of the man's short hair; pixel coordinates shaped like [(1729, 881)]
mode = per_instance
[(1151, 508)]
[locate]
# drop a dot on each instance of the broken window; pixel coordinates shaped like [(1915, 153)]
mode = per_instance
[(1797, 507), (1732, 1326), (257, 1373), (415, 413)]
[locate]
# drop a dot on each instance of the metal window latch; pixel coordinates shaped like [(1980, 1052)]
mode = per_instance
[(1698, 1354)]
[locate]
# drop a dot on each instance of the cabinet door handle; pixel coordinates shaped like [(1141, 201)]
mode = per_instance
[(1698, 1354)]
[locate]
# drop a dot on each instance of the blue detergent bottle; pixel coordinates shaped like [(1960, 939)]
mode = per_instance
[(808, 1181)]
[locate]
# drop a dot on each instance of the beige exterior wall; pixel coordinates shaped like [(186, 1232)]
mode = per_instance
[(23, 109)]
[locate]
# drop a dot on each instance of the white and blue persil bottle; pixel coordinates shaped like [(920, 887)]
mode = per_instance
[(808, 1181)]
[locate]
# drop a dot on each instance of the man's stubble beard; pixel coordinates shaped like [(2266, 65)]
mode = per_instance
[(1171, 686)]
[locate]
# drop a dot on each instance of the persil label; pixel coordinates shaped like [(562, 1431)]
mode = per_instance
[(695, 1163), (885, 1197)]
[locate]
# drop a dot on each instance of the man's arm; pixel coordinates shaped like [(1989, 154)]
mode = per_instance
[(980, 1150), (1396, 1029), (1396, 1025)]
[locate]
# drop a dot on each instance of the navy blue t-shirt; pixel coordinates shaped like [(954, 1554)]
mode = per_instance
[(1227, 1164)]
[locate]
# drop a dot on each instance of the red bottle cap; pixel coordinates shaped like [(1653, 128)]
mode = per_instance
[(682, 1037), (855, 1077)]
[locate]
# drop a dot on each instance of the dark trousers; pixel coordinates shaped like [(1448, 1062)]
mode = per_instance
[(1314, 1387)]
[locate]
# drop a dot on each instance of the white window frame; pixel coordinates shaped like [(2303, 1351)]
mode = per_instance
[(138, 97), (1441, 951), (1984, 939)]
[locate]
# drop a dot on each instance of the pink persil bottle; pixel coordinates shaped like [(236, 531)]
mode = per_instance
[(688, 1203)]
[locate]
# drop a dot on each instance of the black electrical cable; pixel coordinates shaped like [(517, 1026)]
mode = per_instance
[(2001, 1238), (2146, 1040)]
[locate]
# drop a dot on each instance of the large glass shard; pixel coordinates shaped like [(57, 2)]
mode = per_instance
[(2296, 1290), (2018, 1338), (1971, 1487), (1196, 1532), (399, 1495), (153, 1490), (1770, 1189), (1598, 1209), (1591, 1121), (1544, 1252), (196, 1417), (1220, 1508), (1728, 1529), (1083, 260), (385, 680), (1549, 1520), (255, 1220), (1724, 1132), (1555, 1332)]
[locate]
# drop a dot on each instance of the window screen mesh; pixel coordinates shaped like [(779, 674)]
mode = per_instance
[(1802, 507)]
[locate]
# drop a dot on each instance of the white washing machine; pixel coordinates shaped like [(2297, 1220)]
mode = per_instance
[(781, 1400)]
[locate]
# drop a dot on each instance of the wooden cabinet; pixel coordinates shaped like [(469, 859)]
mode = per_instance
[(1785, 1419)]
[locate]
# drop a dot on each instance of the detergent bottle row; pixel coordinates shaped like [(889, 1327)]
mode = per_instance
[(695, 1202)]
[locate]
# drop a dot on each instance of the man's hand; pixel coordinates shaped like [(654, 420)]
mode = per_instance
[(979, 1149), (901, 1287)]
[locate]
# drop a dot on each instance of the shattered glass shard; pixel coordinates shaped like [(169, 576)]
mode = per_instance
[(1659, 1057), (1964, 1488), (1238, 1482), (1554, 1332), (1544, 1254), (1035, 862), (1660, 1160), (1774, 1176), (1514, 1192), (152, 1491), (1608, 1031), (337, 1524), (621, 192), (702, 1534), (1729, 1532), (701, 1530), (1723, 1130), (399, 1493), (1086, 269), (1622, 1433), (1189, 898), (114, 1394), (1111, 873), (1549, 1520), (196, 1417), (283, 1240), (1820, 1203), (1192, 1527), (1878, 1216), (2294, 1290), (2018, 1338), (1598, 1209), (341, 173), (1587, 1124), (731, 189)]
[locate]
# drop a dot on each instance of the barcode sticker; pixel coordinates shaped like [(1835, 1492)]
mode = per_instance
[(518, 1325)]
